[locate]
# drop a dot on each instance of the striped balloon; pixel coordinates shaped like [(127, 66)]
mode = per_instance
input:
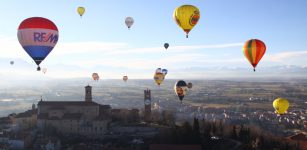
[(37, 36), (253, 50)]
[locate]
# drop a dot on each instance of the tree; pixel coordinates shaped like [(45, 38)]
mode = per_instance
[(186, 133), (221, 127), (196, 126), (234, 133), (241, 132), (196, 132), (213, 127)]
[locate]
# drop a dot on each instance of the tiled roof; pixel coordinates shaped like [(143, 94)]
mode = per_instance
[(27, 113), (299, 137), (66, 103)]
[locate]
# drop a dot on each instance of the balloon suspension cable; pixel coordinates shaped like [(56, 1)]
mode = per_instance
[(38, 68)]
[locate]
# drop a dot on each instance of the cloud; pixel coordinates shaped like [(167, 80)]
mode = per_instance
[(70, 48), (78, 59), (287, 55), (208, 46), (174, 49), (10, 48)]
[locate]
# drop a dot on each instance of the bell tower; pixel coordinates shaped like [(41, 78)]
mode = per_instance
[(147, 103), (88, 93)]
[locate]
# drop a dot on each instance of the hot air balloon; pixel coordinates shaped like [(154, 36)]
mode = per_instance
[(180, 89), (95, 76), (186, 16), (81, 11), (164, 71), (158, 70), (129, 22), (166, 45), (281, 105), (44, 70), (253, 50), (38, 36), (125, 78), (159, 78), (190, 85), (12, 62)]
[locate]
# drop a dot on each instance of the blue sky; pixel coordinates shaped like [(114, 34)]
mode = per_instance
[(100, 42)]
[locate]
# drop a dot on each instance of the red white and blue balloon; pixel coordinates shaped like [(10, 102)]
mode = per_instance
[(38, 36)]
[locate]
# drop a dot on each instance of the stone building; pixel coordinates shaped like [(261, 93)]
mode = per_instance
[(147, 105), (74, 117), (25, 120)]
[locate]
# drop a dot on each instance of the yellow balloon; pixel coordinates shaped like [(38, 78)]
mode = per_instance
[(159, 77), (81, 11), (281, 105), (186, 16)]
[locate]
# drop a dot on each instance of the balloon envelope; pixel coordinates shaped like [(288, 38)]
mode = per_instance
[(95, 76), (125, 78), (190, 85), (129, 22), (254, 50), (186, 17), (158, 70), (159, 78), (166, 45), (81, 11), (164, 71), (12, 62), (37, 36), (281, 105), (180, 89)]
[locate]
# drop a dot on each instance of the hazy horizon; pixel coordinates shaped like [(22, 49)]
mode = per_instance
[(19, 96)]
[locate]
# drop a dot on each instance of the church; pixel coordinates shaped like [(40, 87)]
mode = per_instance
[(74, 117)]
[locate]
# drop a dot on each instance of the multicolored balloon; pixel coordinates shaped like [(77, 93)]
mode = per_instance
[(186, 16), (129, 22), (37, 36), (159, 78), (81, 11), (160, 75), (254, 50), (281, 105), (180, 89), (125, 78), (95, 76)]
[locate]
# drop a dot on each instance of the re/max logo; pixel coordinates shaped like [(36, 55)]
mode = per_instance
[(44, 37)]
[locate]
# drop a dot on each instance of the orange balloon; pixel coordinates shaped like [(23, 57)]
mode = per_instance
[(253, 50)]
